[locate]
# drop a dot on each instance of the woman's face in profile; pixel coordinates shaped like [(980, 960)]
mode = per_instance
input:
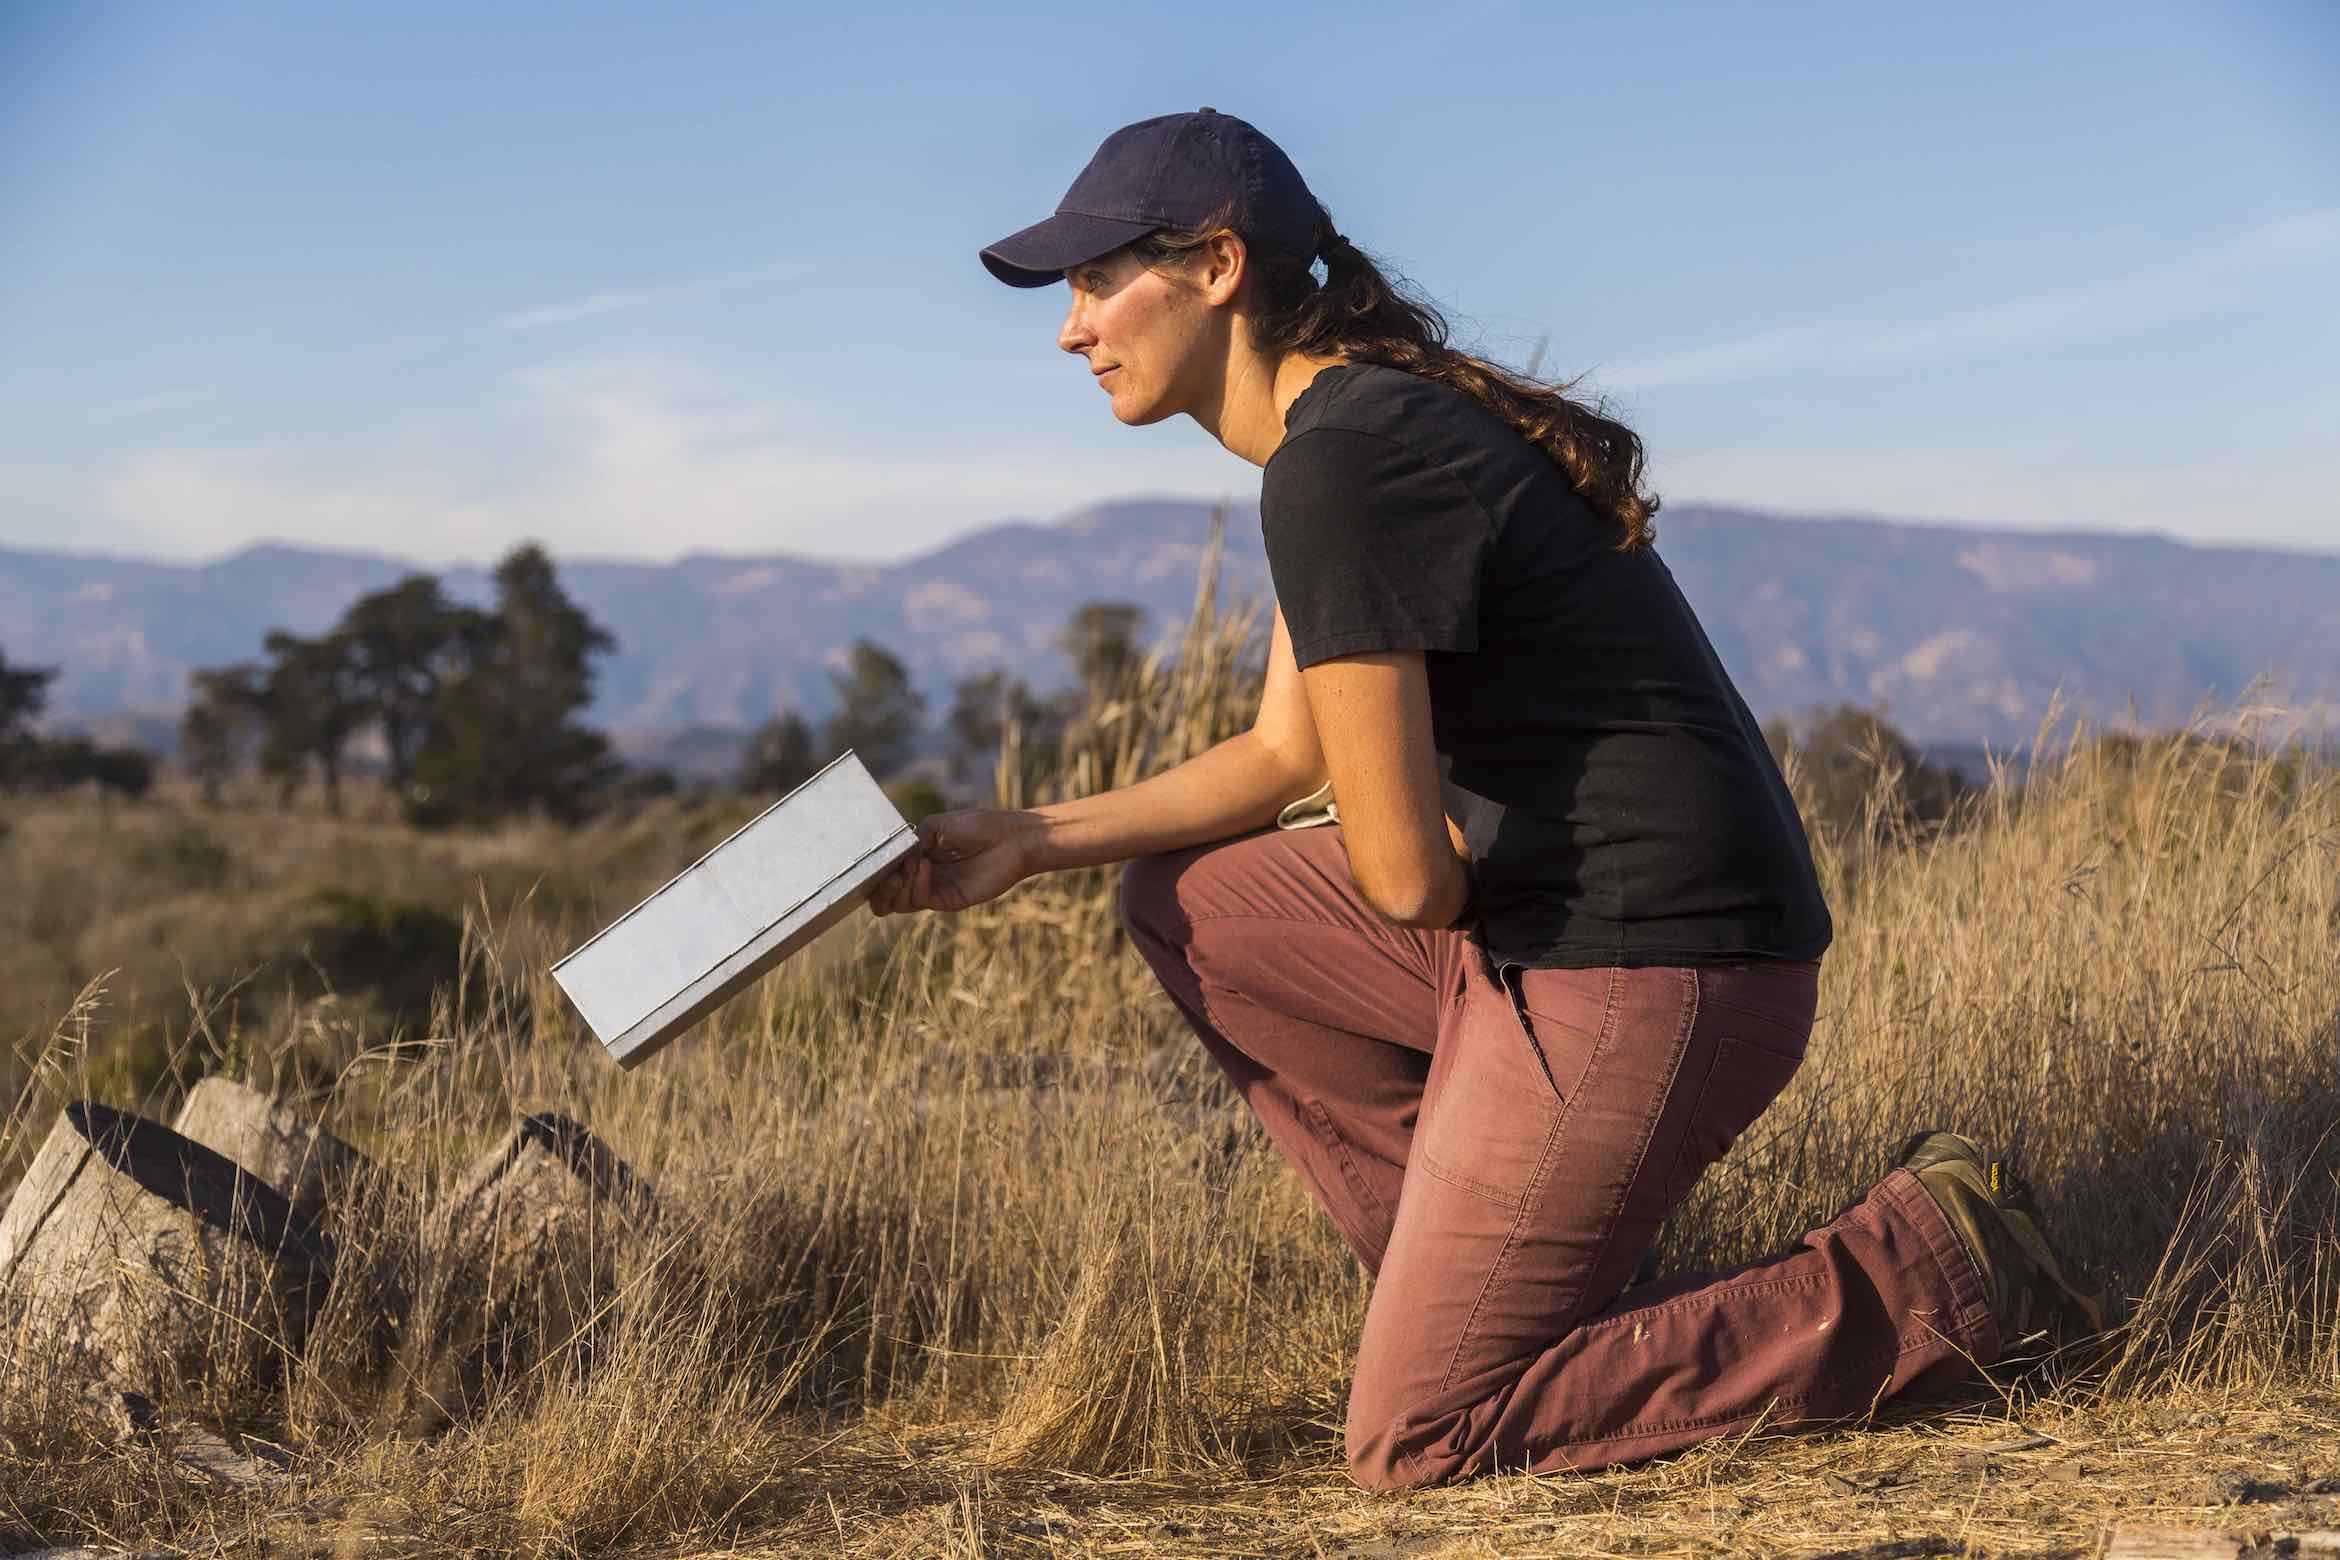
[(1143, 334)]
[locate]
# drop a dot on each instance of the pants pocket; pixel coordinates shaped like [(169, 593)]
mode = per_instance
[(1489, 1106), (1505, 979)]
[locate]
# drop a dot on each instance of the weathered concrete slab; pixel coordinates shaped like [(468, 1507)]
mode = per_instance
[(138, 1257), (288, 1148)]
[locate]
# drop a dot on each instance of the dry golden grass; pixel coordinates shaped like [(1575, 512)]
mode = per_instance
[(965, 1251)]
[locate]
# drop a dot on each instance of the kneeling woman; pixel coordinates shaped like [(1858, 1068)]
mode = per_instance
[(1563, 945)]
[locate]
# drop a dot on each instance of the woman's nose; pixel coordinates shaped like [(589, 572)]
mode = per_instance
[(1074, 335)]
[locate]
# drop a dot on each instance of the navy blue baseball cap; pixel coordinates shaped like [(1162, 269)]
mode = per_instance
[(1171, 172)]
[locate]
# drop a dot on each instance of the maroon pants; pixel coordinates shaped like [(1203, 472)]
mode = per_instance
[(1500, 1153)]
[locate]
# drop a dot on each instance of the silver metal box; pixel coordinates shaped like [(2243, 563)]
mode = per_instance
[(793, 871)]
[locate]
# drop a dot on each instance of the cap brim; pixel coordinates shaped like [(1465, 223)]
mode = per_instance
[(1043, 252)]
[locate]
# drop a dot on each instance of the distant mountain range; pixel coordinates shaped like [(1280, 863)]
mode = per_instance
[(1962, 634)]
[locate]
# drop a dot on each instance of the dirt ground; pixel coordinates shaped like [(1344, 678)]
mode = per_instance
[(1974, 1482), (1977, 1484)]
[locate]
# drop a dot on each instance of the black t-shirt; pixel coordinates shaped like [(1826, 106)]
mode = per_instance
[(1617, 797)]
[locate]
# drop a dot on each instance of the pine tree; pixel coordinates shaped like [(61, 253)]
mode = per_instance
[(221, 729), (24, 693), (1101, 640), (405, 643), (983, 707), (503, 734), (878, 711), (781, 756), (313, 706)]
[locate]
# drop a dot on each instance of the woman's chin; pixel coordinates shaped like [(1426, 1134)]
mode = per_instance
[(1136, 413)]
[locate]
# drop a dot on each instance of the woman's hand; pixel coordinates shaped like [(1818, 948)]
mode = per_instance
[(963, 858)]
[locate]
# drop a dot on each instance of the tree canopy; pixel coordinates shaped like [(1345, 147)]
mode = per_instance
[(24, 693), (878, 711), (476, 711)]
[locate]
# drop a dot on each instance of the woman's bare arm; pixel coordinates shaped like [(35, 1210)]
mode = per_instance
[(967, 857), (1362, 720), (1372, 716), (1238, 785)]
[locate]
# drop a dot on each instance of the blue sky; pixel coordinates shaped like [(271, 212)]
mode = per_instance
[(647, 280)]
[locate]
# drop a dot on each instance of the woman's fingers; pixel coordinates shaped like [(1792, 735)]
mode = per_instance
[(906, 886), (890, 894), (945, 872)]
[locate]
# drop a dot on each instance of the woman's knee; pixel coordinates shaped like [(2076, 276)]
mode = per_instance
[(1379, 1461), (1407, 1428), (1392, 1431)]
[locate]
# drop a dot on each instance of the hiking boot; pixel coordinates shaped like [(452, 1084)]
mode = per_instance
[(2032, 1292)]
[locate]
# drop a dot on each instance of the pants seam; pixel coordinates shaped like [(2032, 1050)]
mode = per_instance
[(1305, 1107), (1603, 1050), (1711, 1295), (1483, 1190), (1681, 1044), (1414, 1463), (1664, 1426), (1528, 1198), (1502, 1263), (1338, 1146)]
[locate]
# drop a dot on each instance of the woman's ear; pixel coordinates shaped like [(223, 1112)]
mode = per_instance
[(1224, 262)]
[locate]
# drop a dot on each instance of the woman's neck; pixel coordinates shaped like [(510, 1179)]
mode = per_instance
[(1258, 391)]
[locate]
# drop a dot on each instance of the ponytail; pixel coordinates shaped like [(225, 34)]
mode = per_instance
[(1360, 314)]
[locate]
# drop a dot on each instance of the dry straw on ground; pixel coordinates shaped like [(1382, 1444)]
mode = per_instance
[(914, 1292)]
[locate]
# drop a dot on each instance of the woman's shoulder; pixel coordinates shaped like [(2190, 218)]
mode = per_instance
[(1368, 436), (1366, 398), (1437, 422)]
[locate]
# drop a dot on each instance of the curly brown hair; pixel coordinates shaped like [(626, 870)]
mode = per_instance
[(1359, 313)]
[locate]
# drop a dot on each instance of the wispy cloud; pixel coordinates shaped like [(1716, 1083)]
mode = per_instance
[(603, 304), (2193, 282), (200, 502), (637, 300), (645, 458)]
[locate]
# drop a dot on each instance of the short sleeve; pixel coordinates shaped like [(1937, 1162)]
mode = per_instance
[(1371, 547)]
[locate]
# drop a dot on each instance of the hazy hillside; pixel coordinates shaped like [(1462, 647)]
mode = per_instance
[(1962, 633)]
